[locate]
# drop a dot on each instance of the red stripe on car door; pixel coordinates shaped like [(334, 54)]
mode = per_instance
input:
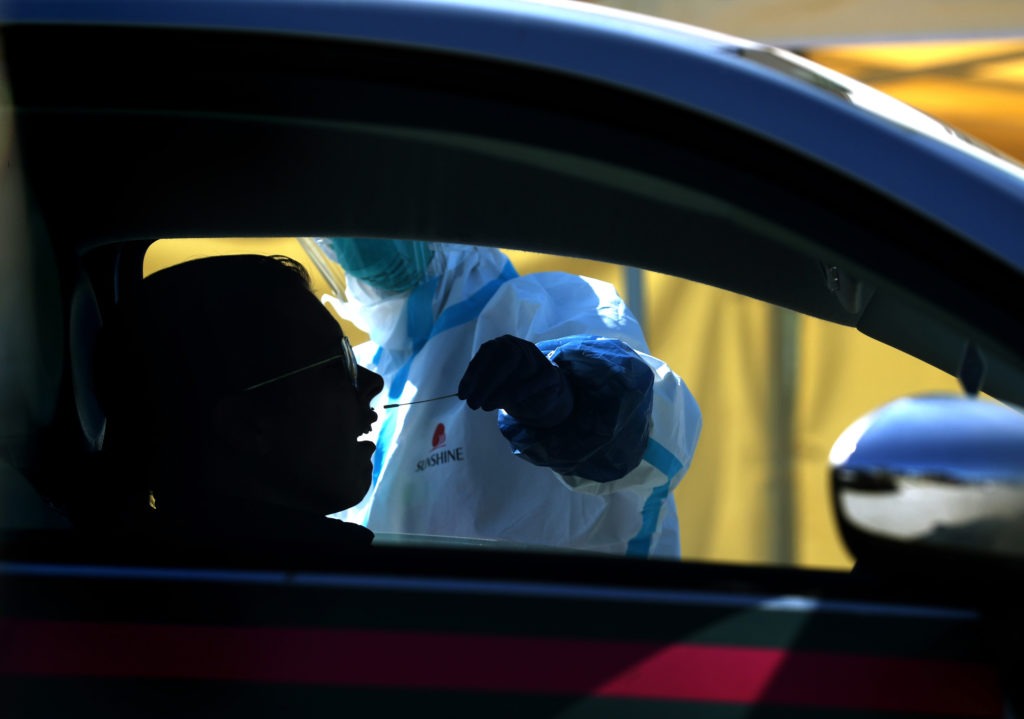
[(530, 665)]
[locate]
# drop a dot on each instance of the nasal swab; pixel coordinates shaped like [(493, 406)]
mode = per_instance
[(417, 402)]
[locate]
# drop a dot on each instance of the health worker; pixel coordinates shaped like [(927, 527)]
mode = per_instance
[(592, 433)]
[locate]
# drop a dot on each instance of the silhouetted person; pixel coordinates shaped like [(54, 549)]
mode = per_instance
[(234, 410)]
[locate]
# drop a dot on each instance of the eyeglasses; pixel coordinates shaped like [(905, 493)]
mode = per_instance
[(346, 355)]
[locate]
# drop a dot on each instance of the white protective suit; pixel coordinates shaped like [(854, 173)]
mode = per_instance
[(443, 469)]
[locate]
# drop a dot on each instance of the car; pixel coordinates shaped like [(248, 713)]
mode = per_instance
[(533, 125)]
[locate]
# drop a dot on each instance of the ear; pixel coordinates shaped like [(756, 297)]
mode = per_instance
[(243, 424)]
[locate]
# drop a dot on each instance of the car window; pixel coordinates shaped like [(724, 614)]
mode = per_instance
[(543, 161), (775, 387)]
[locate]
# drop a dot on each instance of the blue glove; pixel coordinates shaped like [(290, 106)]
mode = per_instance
[(512, 374), (607, 433)]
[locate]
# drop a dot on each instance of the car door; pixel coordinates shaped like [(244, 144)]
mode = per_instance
[(734, 167)]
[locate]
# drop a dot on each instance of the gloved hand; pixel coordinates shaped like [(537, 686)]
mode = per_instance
[(512, 374)]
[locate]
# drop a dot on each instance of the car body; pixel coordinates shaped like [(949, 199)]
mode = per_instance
[(529, 125)]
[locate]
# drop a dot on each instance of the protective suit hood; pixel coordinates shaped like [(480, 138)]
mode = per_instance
[(386, 265), (454, 273)]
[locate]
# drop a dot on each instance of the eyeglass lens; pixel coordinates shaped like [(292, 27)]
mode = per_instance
[(350, 361)]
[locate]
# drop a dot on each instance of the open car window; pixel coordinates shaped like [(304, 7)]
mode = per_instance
[(775, 388)]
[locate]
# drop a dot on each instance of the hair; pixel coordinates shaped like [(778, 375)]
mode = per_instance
[(193, 330), (191, 334)]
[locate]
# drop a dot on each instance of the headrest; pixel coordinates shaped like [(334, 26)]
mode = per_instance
[(86, 321)]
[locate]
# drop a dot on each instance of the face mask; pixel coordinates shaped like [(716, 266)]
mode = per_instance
[(389, 265)]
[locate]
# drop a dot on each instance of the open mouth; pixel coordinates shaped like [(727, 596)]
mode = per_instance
[(370, 419)]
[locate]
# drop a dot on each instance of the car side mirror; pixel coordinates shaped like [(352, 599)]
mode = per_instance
[(941, 476)]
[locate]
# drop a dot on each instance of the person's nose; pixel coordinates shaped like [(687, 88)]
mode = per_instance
[(370, 383)]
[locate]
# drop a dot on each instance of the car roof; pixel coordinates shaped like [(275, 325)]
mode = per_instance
[(777, 95)]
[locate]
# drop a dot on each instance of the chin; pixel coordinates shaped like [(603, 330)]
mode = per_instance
[(356, 495)]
